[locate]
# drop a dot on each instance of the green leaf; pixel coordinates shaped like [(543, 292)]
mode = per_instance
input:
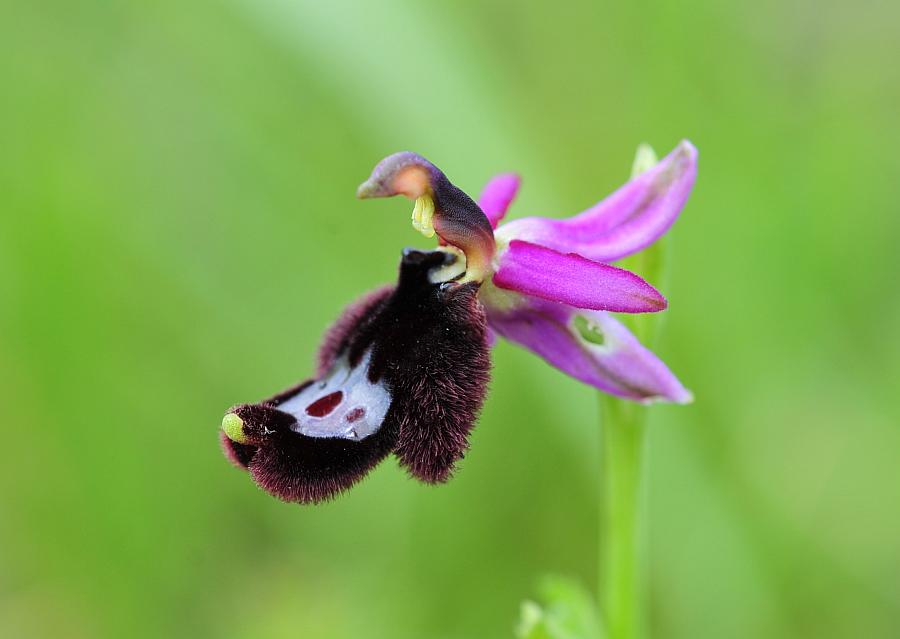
[(566, 611)]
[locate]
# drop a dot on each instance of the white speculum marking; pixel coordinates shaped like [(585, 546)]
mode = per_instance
[(344, 404), (453, 269)]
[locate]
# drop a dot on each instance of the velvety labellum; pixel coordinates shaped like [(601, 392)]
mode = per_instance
[(403, 370)]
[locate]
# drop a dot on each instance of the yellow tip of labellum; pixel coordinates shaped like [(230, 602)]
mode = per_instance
[(423, 216), (233, 426)]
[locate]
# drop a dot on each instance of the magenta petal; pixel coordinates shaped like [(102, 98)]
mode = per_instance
[(619, 365), (574, 280), (630, 219), (497, 195)]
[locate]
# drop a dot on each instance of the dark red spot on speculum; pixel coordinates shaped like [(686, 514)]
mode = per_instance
[(355, 415), (324, 405)]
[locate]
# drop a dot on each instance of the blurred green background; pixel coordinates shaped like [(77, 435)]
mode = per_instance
[(178, 226)]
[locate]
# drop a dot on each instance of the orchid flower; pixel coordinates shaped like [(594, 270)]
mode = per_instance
[(405, 368)]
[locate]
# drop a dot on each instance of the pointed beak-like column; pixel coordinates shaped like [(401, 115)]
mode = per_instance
[(440, 207)]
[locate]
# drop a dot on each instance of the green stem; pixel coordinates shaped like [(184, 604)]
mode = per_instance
[(622, 428)]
